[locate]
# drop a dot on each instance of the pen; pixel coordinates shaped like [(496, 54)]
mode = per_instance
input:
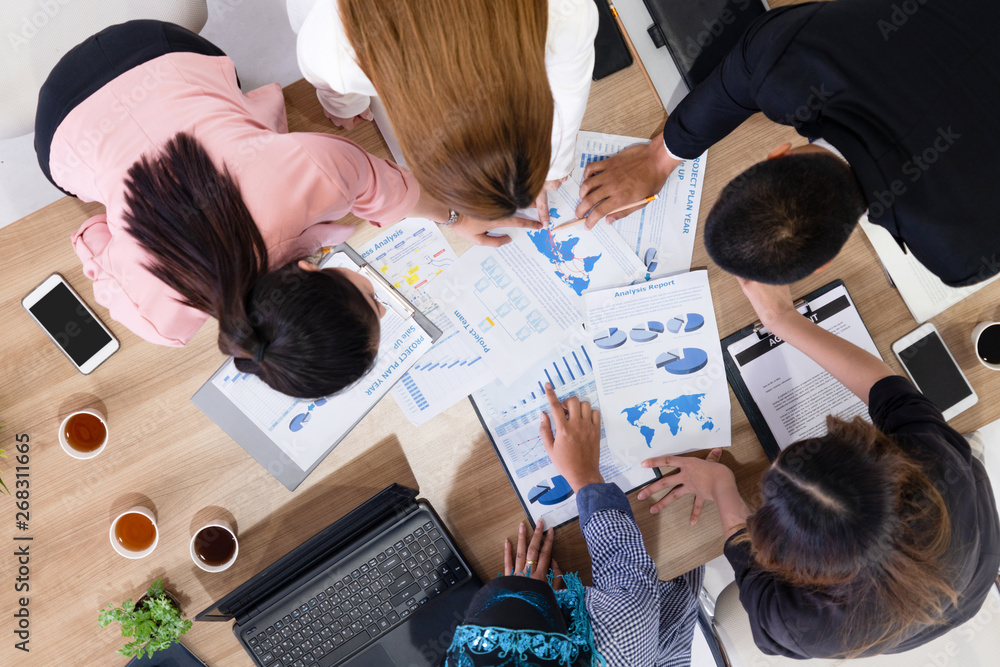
[(641, 202)]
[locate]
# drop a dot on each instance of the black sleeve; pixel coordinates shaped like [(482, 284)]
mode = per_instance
[(727, 97), (898, 408)]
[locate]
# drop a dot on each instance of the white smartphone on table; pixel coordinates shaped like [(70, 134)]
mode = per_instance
[(71, 325), (934, 371)]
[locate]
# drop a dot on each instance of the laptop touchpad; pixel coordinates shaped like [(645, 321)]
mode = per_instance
[(373, 657)]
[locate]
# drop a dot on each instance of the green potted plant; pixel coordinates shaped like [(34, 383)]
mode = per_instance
[(154, 622)]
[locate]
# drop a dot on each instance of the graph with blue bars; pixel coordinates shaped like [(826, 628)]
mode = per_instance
[(566, 370), (440, 370)]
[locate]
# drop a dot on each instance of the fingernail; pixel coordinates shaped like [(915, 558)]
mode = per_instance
[(645, 464), (520, 528), (653, 510)]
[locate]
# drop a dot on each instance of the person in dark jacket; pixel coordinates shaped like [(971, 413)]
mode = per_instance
[(875, 538), (905, 93)]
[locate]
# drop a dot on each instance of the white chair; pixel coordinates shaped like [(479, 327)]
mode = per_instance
[(974, 644), (37, 33)]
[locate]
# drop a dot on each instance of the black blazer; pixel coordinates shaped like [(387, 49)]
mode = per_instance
[(910, 99), (799, 623)]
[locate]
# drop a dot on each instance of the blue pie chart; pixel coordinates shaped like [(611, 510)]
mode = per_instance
[(690, 322), (683, 362), (550, 492), (611, 338), (644, 333)]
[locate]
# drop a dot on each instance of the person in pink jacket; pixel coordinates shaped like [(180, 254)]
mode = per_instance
[(211, 205)]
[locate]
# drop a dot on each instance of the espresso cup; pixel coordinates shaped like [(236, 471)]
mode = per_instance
[(82, 430), (986, 343), (214, 547), (131, 535)]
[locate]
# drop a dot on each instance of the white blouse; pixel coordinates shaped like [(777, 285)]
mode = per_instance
[(327, 61)]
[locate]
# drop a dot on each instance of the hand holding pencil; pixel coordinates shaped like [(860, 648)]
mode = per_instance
[(641, 202)]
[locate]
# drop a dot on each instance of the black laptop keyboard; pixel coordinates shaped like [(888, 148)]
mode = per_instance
[(373, 598)]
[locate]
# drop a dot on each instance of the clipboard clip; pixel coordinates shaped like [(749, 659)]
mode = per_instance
[(763, 332)]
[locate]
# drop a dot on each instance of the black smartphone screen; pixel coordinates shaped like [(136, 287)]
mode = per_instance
[(933, 371), (70, 323)]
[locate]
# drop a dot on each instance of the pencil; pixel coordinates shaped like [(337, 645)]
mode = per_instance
[(641, 202)]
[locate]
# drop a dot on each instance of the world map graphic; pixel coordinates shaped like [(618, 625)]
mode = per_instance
[(678, 414), (572, 270)]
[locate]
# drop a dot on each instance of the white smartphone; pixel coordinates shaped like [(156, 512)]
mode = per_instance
[(937, 375), (70, 324)]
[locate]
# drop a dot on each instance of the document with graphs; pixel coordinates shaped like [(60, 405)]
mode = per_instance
[(517, 302), (660, 375)]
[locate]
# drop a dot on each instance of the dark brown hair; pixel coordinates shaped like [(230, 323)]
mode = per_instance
[(852, 515), (318, 329), (466, 90)]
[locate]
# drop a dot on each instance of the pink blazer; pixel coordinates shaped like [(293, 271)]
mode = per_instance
[(293, 184)]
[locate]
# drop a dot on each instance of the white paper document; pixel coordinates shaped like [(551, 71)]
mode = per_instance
[(410, 254), (922, 291), (305, 430), (792, 392), (515, 303), (512, 417), (661, 234), (660, 374)]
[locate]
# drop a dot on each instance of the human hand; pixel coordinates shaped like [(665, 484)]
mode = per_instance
[(575, 450), (772, 303), (706, 479), (349, 123), (533, 558), (542, 200), (477, 231), (635, 173)]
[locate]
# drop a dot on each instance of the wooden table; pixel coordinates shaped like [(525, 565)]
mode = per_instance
[(166, 454)]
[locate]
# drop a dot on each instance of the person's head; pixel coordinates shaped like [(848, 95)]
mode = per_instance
[(466, 90), (522, 622), (786, 217), (305, 333), (851, 514)]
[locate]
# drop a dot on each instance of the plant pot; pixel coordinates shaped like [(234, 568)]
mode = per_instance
[(170, 596)]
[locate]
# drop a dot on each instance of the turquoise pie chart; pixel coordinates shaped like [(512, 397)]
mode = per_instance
[(683, 362)]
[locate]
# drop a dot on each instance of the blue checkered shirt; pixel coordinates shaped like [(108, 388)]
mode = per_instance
[(638, 620)]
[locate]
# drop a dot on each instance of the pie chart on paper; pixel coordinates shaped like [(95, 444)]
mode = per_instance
[(683, 361), (685, 323), (609, 339), (550, 492), (646, 332)]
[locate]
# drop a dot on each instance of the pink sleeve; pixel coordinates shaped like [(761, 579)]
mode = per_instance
[(371, 188), (160, 319)]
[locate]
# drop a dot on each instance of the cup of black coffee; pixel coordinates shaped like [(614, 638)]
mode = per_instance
[(214, 547), (986, 340)]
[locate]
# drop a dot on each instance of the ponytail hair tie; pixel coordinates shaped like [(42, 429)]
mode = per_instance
[(258, 356)]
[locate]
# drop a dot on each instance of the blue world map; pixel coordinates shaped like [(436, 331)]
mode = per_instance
[(676, 413), (572, 270)]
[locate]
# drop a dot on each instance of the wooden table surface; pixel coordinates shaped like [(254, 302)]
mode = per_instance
[(164, 453)]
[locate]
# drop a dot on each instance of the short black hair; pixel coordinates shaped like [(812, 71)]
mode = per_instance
[(782, 219)]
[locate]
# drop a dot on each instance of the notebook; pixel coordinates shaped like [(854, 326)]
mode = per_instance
[(384, 586)]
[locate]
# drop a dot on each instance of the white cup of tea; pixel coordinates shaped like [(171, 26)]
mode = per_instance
[(986, 342), (134, 533), (214, 547), (84, 433)]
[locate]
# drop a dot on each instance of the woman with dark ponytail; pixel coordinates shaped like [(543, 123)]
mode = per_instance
[(873, 538), (212, 205)]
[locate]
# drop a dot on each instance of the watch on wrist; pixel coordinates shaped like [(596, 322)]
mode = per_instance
[(452, 219)]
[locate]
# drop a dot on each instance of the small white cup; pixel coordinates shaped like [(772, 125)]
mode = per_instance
[(976, 333), (138, 509), (220, 525), (73, 452)]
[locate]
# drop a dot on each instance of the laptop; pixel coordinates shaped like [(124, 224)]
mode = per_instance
[(385, 586)]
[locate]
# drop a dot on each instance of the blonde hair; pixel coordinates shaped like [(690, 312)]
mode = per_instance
[(466, 89)]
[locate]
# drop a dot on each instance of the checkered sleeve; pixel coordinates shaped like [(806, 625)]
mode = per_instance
[(638, 620)]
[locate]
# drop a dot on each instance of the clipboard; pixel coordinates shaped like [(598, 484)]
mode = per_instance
[(736, 381), (257, 442), (520, 498)]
